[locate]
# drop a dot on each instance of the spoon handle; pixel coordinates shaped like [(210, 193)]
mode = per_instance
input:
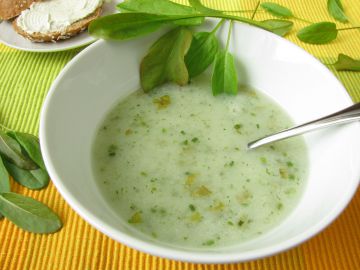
[(347, 115)]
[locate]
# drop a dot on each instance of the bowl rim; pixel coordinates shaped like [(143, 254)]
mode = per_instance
[(205, 256)]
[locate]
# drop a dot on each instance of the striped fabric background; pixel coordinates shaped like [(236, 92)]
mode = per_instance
[(24, 81)]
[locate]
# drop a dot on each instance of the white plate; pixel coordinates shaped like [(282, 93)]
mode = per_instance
[(103, 73), (9, 37)]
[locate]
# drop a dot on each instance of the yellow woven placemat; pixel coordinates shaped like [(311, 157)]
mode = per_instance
[(24, 81)]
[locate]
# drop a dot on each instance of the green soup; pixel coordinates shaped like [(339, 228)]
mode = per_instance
[(174, 165)]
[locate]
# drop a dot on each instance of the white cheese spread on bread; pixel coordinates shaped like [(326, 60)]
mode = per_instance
[(55, 15)]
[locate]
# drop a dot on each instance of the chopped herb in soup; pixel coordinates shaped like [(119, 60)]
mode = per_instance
[(174, 165)]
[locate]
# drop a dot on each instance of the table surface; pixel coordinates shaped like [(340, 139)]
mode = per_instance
[(24, 81)]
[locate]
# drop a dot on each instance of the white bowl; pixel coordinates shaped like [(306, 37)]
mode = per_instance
[(105, 72)]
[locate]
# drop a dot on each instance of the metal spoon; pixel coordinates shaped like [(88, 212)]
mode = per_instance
[(347, 115)]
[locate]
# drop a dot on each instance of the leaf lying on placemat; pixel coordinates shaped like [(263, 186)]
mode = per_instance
[(318, 33), (11, 150), (31, 145), (32, 179), (4, 179), (277, 10), (345, 62), (28, 213), (20, 157), (336, 10)]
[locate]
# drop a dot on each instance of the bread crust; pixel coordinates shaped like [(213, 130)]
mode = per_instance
[(70, 31), (12, 8)]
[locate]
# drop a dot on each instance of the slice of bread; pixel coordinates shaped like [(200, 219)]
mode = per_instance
[(12, 8), (70, 31)]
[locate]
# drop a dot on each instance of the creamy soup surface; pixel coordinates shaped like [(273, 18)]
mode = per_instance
[(174, 165)]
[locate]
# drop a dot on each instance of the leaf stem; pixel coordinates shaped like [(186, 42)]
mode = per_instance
[(217, 26), (303, 20), (210, 15), (5, 128), (256, 9), (229, 35), (348, 28), (239, 19), (225, 16), (240, 11)]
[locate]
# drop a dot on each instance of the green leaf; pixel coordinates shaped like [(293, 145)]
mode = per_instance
[(126, 25), (277, 10), (29, 214), (190, 22), (336, 10), (224, 78), (161, 7), (11, 150), (201, 8), (279, 27), (130, 25), (33, 179), (165, 60), (202, 52), (318, 33), (30, 144), (4, 180), (345, 62)]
